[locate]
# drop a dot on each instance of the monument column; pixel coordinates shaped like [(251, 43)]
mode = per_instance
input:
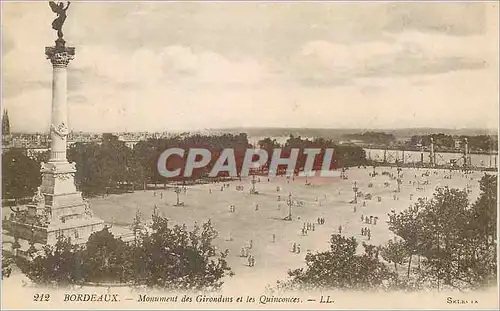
[(58, 209), (59, 56)]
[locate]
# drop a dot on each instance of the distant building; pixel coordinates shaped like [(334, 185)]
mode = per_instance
[(130, 142), (5, 123), (357, 142), (6, 137)]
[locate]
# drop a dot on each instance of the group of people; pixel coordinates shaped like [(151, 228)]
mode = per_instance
[(251, 260), (295, 248), (372, 220), (366, 232), (308, 227), (245, 253)]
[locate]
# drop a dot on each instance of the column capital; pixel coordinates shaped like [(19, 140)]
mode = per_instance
[(60, 55)]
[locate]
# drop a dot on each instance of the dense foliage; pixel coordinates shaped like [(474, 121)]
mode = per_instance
[(105, 168), (113, 167), (341, 268), (165, 257), (20, 175), (344, 155), (372, 137), (479, 143), (455, 239), (7, 261)]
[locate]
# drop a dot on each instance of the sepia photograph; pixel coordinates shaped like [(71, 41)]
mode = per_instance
[(249, 155)]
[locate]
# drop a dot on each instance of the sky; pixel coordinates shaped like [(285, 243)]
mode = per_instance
[(156, 66)]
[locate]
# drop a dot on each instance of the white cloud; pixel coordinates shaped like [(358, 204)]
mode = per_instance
[(210, 65), (408, 53), (173, 64)]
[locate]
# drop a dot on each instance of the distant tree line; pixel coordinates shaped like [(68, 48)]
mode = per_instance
[(344, 155), (113, 167), (379, 138), (480, 143)]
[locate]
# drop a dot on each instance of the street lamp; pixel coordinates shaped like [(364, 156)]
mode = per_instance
[(355, 189), (289, 203), (399, 180), (253, 191), (177, 191)]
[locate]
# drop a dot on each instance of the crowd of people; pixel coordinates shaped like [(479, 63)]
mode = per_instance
[(414, 183)]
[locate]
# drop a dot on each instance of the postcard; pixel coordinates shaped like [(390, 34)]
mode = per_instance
[(250, 155)]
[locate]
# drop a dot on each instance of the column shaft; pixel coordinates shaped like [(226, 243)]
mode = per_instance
[(59, 115)]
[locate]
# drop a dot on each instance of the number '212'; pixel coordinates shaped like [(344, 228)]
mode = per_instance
[(41, 297)]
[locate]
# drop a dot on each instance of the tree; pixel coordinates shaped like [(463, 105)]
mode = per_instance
[(395, 252), (175, 258), (481, 256), (20, 175), (170, 258), (341, 268), (137, 227), (105, 258), (444, 222), (58, 264), (7, 261), (43, 156), (106, 168), (455, 239), (484, 210), (408, 225)]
